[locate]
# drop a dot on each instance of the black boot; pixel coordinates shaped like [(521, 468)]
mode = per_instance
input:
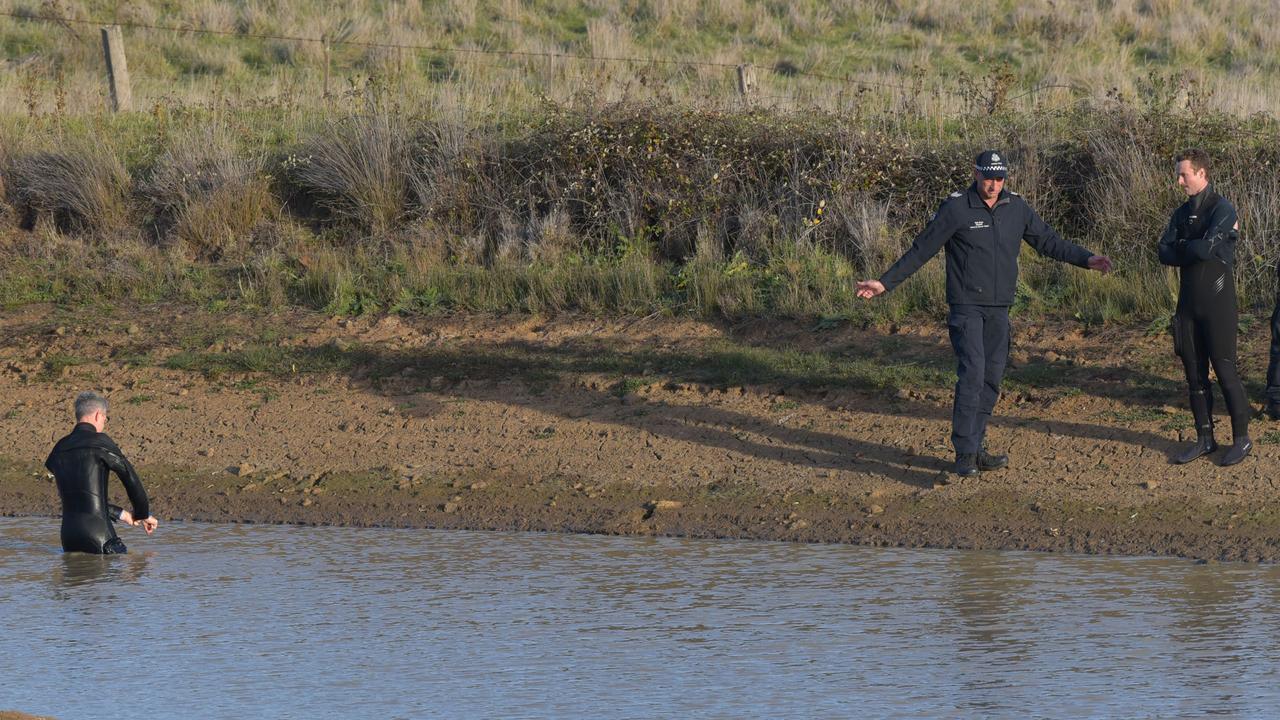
[(966, 464), (1238, 451), (987, 461), (1204, 445), (1273, 410), (1202, 411)]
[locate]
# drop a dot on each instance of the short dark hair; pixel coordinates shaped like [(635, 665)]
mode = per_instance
[(1199, 159)]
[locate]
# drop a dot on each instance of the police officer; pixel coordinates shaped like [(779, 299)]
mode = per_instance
[(80, 463), (1201, 240), (982, 229)]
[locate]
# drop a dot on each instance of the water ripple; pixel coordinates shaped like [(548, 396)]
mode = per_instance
[(274, 621)]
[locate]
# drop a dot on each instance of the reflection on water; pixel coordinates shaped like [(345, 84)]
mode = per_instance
[(266, 621), (82, 569)]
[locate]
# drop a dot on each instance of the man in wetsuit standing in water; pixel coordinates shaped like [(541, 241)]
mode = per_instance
[(982, 229), (80, 463), (1201, 241)]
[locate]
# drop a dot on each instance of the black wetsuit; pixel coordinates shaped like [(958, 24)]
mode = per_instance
[(1273, 367), (80, 462), (1201, 241)]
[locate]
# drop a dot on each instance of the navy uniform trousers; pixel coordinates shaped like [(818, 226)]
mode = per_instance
[(980, 338)]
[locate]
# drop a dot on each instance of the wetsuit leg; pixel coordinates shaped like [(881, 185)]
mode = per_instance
[(965, 327), (1273, 367), (1194, 355), (995, 344), (1219, 331)]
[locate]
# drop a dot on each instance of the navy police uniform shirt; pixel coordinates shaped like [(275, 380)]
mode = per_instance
[(982, 247)]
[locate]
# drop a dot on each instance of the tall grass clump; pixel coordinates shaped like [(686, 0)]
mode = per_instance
[(356, 170), (207, 194), (82, 187)]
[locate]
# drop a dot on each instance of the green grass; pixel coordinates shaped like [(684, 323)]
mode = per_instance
[(1102, 46)]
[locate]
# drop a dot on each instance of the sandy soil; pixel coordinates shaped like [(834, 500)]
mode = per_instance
[(474, 422)]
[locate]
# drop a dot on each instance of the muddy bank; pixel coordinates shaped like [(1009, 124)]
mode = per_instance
[(837, 435)]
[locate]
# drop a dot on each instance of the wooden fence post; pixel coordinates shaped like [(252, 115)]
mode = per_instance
[(746, 79), (324, 39), (117, 69)]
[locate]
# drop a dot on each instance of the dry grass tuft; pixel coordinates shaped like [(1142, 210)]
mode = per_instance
[(208, 195), (82, 188)]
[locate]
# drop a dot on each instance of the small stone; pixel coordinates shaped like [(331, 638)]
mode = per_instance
[(1150, 484), (243, 470), (450, 507), (205, 452), (668, 505), (875, 510), (59, 331), (133, 330), (307, 502), (478, 485)]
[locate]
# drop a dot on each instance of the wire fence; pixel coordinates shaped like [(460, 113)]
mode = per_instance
[(743, 73)]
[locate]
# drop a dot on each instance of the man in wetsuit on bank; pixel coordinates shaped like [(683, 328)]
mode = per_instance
[(80, 463), (1273, 366), (1200, 241), (982, 229)]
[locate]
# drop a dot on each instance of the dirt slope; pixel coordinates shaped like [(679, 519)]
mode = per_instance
[(632, 426)]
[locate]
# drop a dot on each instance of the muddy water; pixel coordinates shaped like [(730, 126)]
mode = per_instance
[(274, 621)]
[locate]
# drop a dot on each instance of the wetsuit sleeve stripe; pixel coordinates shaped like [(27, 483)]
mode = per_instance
[(1049, 243), (925, 246), (132, 485)]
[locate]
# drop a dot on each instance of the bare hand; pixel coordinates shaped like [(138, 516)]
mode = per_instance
[(149, 524), (1101, 263), (126, 517), (868, 289)]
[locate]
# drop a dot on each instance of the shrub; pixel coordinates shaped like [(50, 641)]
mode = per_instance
[(357, 169), (82, 188), (207, 194)]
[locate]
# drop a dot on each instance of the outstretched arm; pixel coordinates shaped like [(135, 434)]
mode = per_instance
[(926, 245), (1049, 243)]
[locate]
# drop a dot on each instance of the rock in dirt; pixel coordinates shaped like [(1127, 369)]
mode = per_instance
[(1150, 484), (242, 470)]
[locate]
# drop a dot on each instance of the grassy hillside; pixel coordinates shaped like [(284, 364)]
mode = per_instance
[(914, 56), (517, 178)]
